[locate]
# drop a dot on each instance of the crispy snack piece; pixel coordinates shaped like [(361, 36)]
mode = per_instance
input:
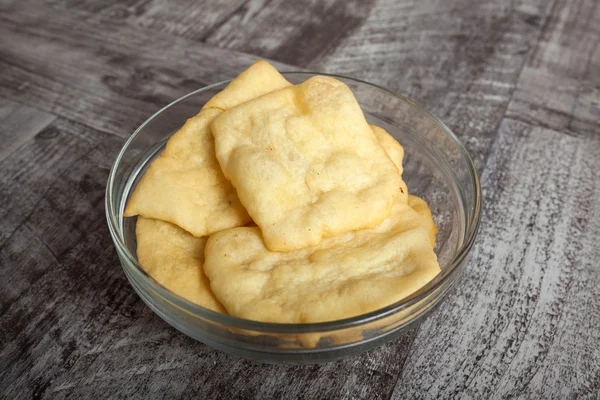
[(259, 79), (305, 163), (174, 258), (396, 153), (421, 207), (394, 150), (345, 275), (185, 185)]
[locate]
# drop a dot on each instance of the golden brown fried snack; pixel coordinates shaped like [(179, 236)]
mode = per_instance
[(185, 185), (174, 258), (259, 79), (306, 164), (345, 275), (420, 206), (393, 149), (396, 153)]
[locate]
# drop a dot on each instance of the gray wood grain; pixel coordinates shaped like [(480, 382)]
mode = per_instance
[(101, 79), (293, 32), (525, 320), (19, 123), (517, 81), (560, 85)]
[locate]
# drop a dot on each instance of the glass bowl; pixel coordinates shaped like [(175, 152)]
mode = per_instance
[(437, 168)]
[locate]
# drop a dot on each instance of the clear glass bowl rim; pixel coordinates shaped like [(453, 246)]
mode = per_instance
[(114, 216)]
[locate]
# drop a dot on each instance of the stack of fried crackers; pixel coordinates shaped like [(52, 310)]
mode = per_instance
[(280, 203)]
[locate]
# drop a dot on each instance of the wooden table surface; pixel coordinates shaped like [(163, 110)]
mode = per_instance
[(518, 81)]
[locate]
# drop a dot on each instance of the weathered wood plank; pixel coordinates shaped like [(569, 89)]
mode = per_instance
[(560, 85), (18, 123), (184, 18), (87, 7), (100, 79), (164, 363), (47, 217), (293, 32), (289, 31), (525, 319), (188, 19), (25, 177)]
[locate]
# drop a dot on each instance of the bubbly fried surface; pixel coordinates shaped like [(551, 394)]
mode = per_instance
[(185, 185), (174, 258), (336, 234), (396, 153), (306, 164), (345, 275)]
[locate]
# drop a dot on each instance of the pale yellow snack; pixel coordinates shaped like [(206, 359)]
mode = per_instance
[(353, 334), (259, 79), (421, 207), (345, 275), (174, 258), (393, 149), (185, 185), (305, 163), (396, 153)]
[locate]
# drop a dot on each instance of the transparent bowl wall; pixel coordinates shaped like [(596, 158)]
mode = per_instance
[(436, 168)]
